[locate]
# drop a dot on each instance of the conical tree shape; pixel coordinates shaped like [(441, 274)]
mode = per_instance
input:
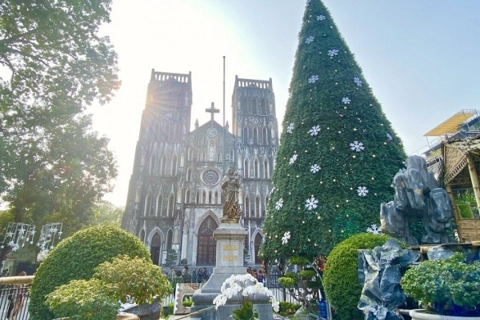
[(338, 152)]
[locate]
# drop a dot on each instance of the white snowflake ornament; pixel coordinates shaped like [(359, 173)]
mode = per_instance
[(346, 100), (333, 52), (374, 229), (293, 159), (313, 78), (286, 237), (290, 127), (357, 146), (315, 168), (321, 17), (309, 39), (357, 81), (311, 203), (279, 204), (314, 131), (362, 191)]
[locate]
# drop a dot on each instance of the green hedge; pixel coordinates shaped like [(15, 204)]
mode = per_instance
[(75, 258), (340, 277)]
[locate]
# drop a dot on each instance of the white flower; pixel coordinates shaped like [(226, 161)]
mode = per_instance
[(314, 131), (244, 285), (346, 100), (315, 168), (290, 127), (321, 17), (293, 159), (333, 52), (309, 39), (313, 78), (357, 81), (357, 146), (362, 191), (286, 237), (374, 229), (311, 203), (279, 204)]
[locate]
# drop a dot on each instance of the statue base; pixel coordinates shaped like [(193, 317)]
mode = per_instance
[(230, 243)]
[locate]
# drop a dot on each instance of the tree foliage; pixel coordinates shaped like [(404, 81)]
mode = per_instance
[(55, 63), (338, 152)]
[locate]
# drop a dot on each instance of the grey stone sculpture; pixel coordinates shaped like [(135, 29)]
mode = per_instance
[(417, 197)]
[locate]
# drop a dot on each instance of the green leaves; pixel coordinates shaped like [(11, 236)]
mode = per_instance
[(445, 286), (51, 162)]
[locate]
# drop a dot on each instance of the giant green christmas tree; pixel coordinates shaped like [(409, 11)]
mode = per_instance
[(338, 152)]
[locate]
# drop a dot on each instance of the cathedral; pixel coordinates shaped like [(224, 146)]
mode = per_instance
[(175, 200)]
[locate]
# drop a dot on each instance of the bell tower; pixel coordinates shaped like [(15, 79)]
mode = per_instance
[(255, 129)]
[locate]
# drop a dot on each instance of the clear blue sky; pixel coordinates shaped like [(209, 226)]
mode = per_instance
[(421, 58)]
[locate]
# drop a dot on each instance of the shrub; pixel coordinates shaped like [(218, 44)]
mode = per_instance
[(340, 277), (97, 298), (447, 287), (84, 299), (76, 258), (287, 308), (136, 278)]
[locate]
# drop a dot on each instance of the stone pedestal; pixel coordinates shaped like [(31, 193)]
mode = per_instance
[(230, 243)]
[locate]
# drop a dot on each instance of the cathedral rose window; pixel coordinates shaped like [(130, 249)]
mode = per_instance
[(210, 177)]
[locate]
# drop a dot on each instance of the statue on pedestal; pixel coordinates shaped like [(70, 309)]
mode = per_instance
[(231, 188)]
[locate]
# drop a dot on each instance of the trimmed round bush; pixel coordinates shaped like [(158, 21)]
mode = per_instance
[(340, 277), (76, 258)]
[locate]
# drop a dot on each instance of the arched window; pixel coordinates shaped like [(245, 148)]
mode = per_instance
[(174, 165), (264, 136), (257, 206), (266, 204), (247, 207), (256, 168), (158, 206), (245, 136), (257, 244), (263, 107), (189, 174), (210, 199), (198, 197), (254, 106), (216, 198), (187, 196), (265, 169), (204, 197), (163, 165), (255, 136), (171, 205), (148, 205), (245, 168), (169, 239)]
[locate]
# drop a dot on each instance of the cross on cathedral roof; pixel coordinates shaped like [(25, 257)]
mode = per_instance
[(212, 111)]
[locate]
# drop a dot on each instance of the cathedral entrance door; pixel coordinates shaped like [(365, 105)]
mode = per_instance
[(207, 246), (155, 249)]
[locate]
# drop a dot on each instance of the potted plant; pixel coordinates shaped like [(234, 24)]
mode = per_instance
[(242, 289), (448, 287), (124, 279)]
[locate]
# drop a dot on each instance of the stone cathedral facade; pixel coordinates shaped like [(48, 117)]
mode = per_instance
[(175, 197)]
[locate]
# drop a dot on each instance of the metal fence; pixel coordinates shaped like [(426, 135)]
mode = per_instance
[(14, 295), (14, 299)]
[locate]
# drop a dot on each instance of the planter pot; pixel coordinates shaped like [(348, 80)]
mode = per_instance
[(420, 314)]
